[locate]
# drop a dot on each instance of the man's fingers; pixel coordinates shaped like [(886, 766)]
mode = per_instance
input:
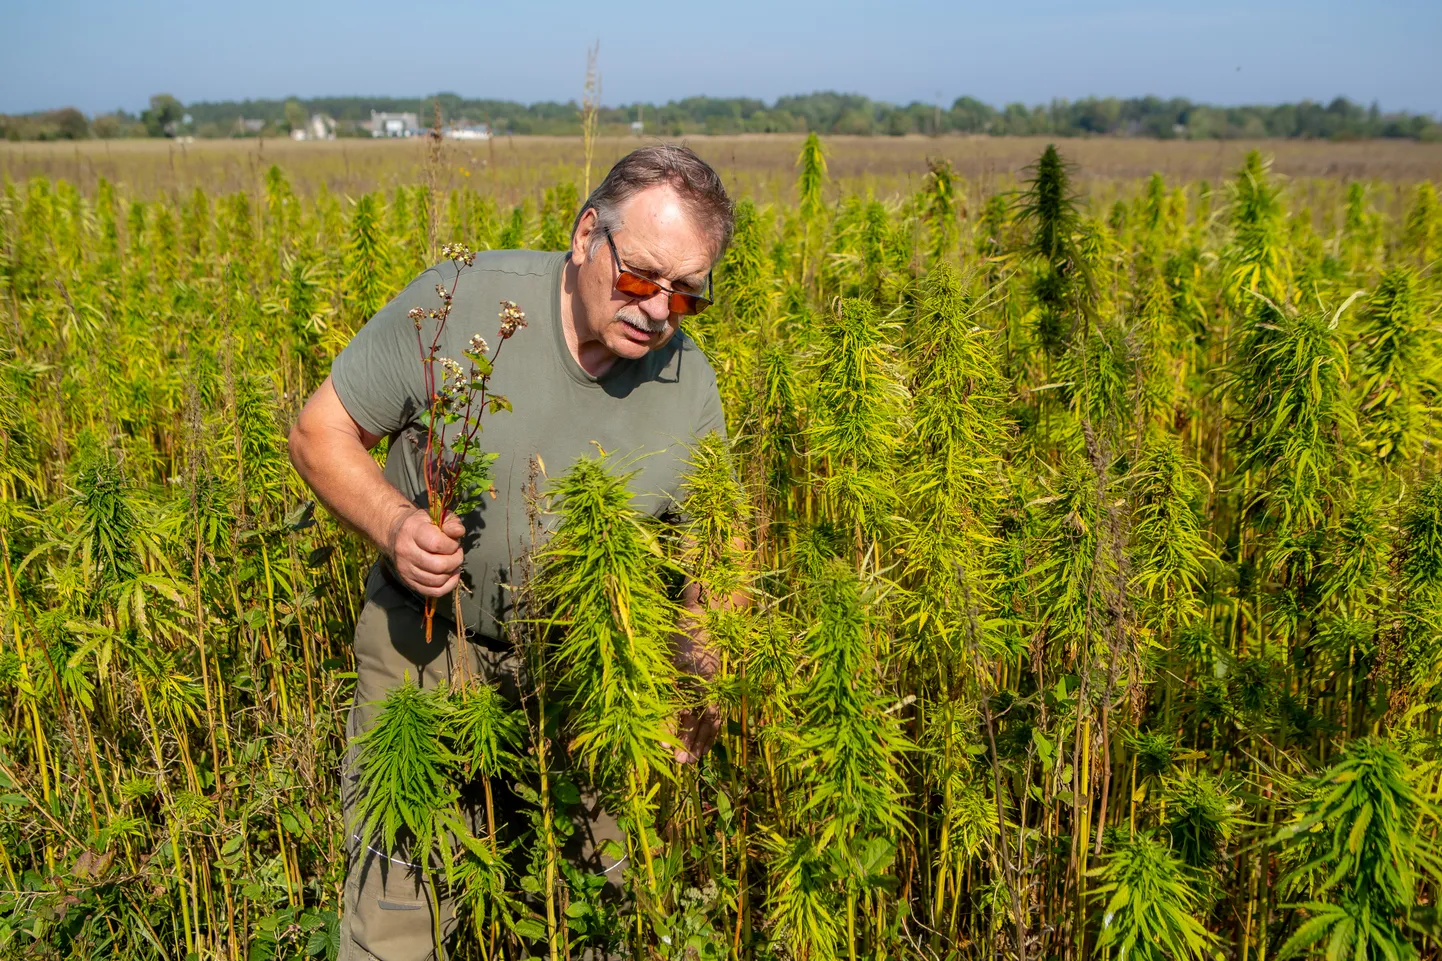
[(420, 577), (680, 731), (441, 591), (433, 540), (438, 588), (704, 735), (696, 730), (453, 528), (442, 564), (427, 558)]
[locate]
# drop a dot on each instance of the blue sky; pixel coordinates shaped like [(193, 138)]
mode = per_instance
[(98, 56)]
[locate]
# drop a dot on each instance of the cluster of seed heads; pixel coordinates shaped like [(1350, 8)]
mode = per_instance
[(439, 314), (459, 253), (418, 314), (456, 386), (513, 318)]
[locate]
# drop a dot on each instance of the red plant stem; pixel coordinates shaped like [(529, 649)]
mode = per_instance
[(432, 466), (469, 432), (426, 366)]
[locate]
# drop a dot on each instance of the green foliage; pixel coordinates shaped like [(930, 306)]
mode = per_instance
[(850, 744), (484, 732), (750, 291), (1362, 847), (402, 762), (1062, 534), (1397, 368), (558, 210), (1149, 904), (824, 112), (1048, 210), (939, 205), (1201, 818), (1172, 555), (602, 582), (513, 235), (811, 178), (1295, 416), (1424, 224), (367, 260), (859, 404), (1258, 256)]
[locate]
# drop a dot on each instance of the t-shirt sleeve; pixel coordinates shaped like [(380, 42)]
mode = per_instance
[(709, 418), (712, 417), (379, 376)]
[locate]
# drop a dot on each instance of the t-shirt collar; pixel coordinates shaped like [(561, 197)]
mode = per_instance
[(572, 366)]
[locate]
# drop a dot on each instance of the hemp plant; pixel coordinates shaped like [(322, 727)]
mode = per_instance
[(456, 471), (602, 578), (415, 761)]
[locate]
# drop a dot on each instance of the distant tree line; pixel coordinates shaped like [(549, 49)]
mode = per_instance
[(827, 113)]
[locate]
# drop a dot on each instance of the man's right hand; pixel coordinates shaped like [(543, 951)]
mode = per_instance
[(427, 558)]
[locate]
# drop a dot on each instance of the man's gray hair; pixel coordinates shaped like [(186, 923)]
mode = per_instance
[(699, 186)]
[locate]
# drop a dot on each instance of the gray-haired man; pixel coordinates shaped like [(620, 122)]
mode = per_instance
[(602, 363)]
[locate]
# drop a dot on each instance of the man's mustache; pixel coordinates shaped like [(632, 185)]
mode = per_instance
[(638, 318)]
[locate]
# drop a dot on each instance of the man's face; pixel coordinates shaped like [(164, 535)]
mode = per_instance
[(656, 240)]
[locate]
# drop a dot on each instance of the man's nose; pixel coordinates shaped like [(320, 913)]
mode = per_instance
[(657, 306)]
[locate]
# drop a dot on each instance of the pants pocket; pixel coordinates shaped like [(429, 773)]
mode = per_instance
[(388, 913)]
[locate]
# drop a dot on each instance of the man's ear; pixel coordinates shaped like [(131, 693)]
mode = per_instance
[(581, 237)]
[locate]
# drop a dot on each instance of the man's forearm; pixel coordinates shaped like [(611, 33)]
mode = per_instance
[(692, 645), (350, 484), (694, 650), (330, 453)]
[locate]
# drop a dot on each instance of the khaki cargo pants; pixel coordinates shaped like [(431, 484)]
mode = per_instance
[(387, 913)]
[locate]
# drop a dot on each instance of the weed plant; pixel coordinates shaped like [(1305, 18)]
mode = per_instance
[(1073, 581)]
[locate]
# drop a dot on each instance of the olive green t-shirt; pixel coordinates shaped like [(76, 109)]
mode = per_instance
[(646, 412)]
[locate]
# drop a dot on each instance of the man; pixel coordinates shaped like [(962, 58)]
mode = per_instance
[(602, 363)]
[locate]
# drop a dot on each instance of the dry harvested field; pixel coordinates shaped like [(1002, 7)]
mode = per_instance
[(761, 165)]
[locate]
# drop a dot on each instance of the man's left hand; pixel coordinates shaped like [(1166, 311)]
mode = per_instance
[(696, 730)]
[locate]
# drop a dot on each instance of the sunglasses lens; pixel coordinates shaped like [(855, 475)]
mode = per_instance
[(686, 304), (634, 285), (629, 283)]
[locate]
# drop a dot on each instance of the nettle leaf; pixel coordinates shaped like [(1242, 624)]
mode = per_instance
[(302, 517), (566, 793), (324, 940), (529, 928), (319, 556)]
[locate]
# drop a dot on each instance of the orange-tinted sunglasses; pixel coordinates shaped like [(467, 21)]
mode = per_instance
[(633, 284)]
